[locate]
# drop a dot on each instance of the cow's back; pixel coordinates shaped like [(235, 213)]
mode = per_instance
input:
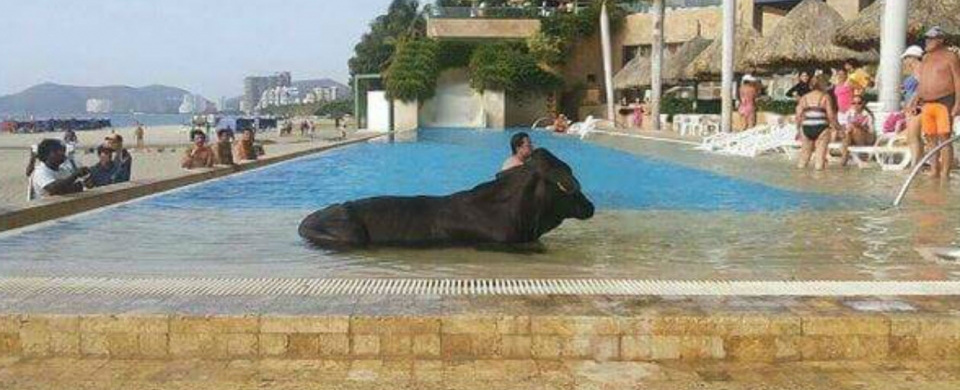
[(401, 220)]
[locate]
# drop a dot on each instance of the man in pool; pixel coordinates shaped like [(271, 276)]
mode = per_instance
[(521, 146), (938, 90)]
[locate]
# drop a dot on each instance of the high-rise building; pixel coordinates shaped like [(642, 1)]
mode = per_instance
[(255, 86)]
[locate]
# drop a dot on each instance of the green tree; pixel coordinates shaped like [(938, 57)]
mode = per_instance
[(372, 54)]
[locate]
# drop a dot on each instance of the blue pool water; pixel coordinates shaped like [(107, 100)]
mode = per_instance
[(655, 219), (442, 161)]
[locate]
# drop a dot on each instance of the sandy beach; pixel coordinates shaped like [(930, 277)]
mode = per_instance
[(161, 158)]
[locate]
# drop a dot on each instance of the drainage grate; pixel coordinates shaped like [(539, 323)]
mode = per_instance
[(321, 287)]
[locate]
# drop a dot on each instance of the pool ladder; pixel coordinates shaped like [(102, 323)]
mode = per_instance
[(918, 167)]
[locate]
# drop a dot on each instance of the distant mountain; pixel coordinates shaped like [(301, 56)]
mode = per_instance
[(307, 85), (50, 99)]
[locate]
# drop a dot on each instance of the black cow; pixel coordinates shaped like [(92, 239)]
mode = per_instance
[(521, 205)]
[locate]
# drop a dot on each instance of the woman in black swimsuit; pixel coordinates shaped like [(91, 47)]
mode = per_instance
[(816, 115)]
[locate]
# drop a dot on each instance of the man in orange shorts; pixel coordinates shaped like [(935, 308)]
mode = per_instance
[(938, 91)]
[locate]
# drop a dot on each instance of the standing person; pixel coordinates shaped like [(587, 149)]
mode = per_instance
[(138, 134), (843, 92), (199, 155), (46, 179), (121, 157), (938, 89), (816, 115), (521, 147), (639, 110), (70, 137), (748, 101), (802, 87), (911, 111)]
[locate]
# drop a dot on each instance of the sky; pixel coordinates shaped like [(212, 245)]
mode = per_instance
[(204, 46)]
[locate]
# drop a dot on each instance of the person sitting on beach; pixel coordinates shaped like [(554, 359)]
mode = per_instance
[(243, 148), (199, 155), (121, 157), (223, 150), (520, 147), (859, 128), (816, 115), (105, 172), (47, 179)]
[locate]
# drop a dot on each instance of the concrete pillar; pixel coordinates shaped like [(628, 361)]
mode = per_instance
[(726, 69), (405, 115), (893, 40), (656, 67), (607, 61)]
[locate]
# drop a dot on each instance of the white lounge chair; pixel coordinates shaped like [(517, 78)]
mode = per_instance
[(885, 152)]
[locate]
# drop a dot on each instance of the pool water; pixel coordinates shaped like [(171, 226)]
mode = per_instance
[(662, 213)]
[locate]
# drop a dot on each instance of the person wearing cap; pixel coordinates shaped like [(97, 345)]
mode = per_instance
[(748, 101), (106, 170), (121, 157), (937, 94)]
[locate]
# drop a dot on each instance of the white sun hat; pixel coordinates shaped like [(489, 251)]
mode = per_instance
[(912, 51)]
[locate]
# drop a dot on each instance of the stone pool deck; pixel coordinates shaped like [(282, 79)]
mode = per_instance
[(72, 374), (456, 328)]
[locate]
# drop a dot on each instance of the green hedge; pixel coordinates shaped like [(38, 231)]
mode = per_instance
[(413, 70), (777, 106), (510, 67), (674, 105)]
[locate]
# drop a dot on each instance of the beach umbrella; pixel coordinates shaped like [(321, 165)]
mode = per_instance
[(706, 66), (803, 39), (863, 33), (637, 72)]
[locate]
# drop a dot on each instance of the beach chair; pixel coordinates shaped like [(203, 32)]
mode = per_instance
[(885, 151)]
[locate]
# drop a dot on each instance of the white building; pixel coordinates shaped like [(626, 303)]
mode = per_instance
[(99, 106)]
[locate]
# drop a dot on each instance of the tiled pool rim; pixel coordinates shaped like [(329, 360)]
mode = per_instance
[(200, 286), (814, 330)]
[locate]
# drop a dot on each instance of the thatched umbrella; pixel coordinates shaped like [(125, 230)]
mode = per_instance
[(707, 64), (637, 72), (863, 33), (802, 39)]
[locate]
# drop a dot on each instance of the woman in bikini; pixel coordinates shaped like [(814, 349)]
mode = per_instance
[(816, 116)]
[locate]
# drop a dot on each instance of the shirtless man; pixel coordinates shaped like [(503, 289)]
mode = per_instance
[(522, 147), (938, 90)]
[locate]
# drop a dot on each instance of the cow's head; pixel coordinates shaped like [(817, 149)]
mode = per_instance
[(559, 187)]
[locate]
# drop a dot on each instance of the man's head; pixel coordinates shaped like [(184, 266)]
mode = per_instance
[(224, 134), (247, 134), (115, 141), (521, 146), (51, 152), (198, 137), (935, 38), (103, 154), (804, 77)]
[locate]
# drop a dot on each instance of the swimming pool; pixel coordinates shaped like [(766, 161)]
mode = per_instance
[(657, 217)]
